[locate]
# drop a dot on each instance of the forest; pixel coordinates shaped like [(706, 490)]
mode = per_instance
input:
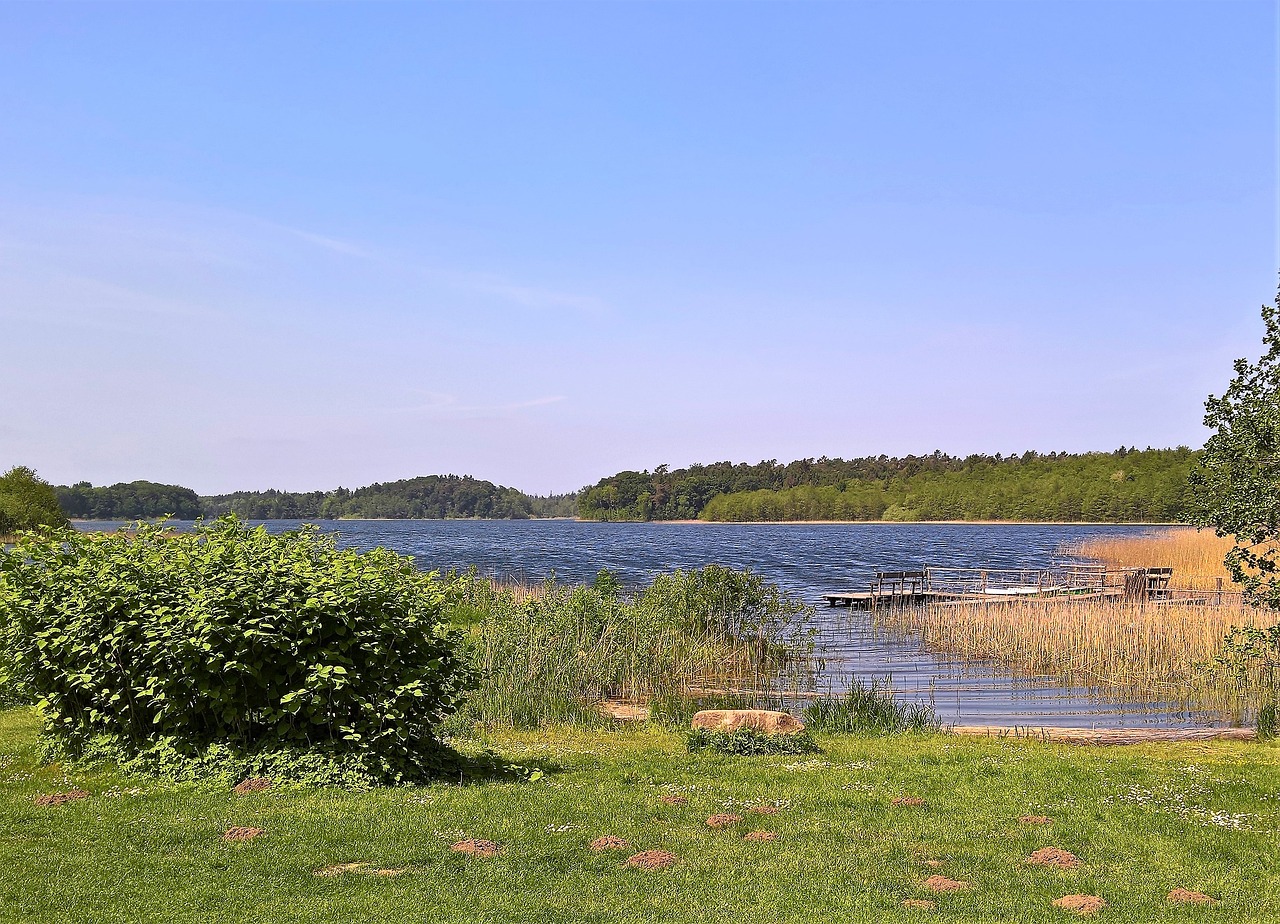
[(1128, 485), (429, 497), (137, 500)]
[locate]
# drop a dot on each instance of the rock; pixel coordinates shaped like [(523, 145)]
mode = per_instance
[(760, 720)]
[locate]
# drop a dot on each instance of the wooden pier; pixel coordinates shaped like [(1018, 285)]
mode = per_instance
[(1074, 582)]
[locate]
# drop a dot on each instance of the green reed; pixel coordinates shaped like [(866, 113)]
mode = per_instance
[(555, 652)]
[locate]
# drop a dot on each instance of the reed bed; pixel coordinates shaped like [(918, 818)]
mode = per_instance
[(1171, 650), (554, 652), (1195, 555)]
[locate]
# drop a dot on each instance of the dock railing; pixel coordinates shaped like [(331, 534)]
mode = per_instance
[(1073, 580)]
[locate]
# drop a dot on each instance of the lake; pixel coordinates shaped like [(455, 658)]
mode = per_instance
[(807, 559)]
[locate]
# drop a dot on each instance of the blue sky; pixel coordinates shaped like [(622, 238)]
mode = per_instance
[(300, 246)]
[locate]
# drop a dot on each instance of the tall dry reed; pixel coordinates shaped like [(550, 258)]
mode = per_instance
[(1167, 649), (1195, 555)]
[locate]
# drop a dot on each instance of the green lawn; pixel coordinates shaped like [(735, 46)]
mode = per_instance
[(1143, 820)]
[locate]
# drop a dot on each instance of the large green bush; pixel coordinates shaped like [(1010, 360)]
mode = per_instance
[(234, 640)]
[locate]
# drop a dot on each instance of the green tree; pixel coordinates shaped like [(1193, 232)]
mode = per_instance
[(27, 501), (1237, 485)]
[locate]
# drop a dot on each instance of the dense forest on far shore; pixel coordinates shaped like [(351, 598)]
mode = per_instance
[(138, 500), (430, 497), (1128, 485)]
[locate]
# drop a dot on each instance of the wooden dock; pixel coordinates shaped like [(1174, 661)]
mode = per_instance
[(954, 586)]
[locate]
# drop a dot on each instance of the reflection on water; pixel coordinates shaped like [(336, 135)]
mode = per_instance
[(806, 559)]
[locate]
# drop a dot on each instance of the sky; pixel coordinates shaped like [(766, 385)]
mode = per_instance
[(301, 246)]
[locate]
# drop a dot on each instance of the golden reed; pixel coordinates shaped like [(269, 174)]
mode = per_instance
[(1195, 555)]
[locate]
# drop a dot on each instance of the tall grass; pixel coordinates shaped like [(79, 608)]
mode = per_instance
[(555, 653), (869, 708), (1171, 651), (1196, 556)]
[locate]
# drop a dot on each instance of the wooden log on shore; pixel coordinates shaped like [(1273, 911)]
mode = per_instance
[(1103, 736)]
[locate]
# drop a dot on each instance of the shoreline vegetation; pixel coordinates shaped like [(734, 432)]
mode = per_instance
[(1197, 655), (1127, 485)]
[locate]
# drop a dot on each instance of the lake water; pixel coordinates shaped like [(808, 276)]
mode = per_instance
[(809, 560)]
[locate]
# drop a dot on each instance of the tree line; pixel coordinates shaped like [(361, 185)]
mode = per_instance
[(1123, 486), (1127, 485), (429, 497)]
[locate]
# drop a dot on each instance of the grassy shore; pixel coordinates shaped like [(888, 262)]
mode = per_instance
[(1142, 821)]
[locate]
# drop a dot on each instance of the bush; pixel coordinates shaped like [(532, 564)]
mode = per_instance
[(230, 638), (747, 742), (869, 709)]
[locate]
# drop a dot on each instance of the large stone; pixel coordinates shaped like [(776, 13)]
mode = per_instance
[(761, 720)]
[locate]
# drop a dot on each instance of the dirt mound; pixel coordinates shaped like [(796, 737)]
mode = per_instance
[(763, 810), (760, 836), (1055, 857), (1081, 904), (922, 903), (252, 784), (60, 798), (651, 859), (1187, 897), (609, 842), (723, 820), (943, 884), (1035, 819), (673, 800), (239, 833), (477, 848), (908, 800)]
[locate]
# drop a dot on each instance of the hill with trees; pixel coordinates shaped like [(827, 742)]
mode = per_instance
[(1128, 485), (137, 500), (429, 497)]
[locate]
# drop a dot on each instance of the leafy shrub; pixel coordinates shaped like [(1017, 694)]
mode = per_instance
[(869, 708), (232, 638), (747, 742)]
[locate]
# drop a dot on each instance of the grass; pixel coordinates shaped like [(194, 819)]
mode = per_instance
[(869, 709), (1195, 555), (1143, 820)]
